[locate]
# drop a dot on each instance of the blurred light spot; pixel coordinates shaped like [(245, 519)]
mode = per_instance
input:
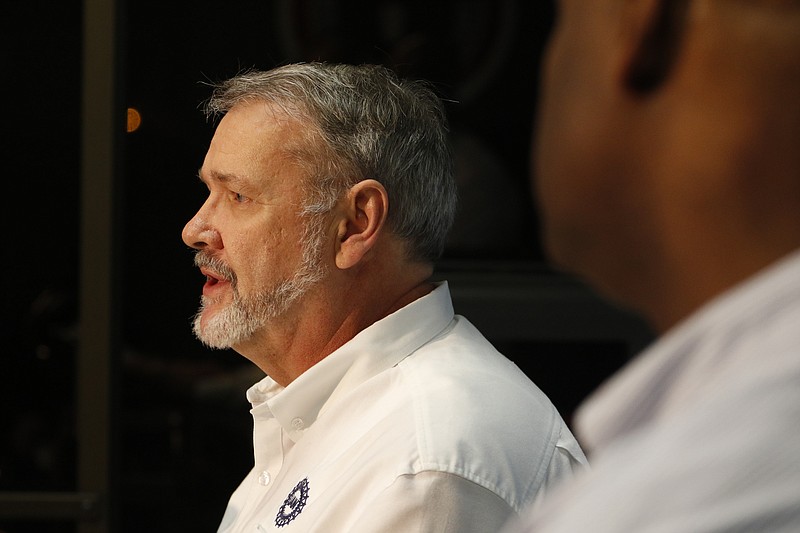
[(134, 119)]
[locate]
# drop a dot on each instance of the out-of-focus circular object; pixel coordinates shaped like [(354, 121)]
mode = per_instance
[(134, 119)]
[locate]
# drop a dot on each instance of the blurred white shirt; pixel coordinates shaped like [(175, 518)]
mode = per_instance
[(701, 433)]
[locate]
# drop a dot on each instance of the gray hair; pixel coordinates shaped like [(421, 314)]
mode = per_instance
[(370, 124)]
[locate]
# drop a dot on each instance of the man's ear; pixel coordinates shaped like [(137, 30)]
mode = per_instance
[(658, 27), (364, 213)]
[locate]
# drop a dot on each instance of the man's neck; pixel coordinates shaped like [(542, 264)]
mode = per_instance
[(324, 320)]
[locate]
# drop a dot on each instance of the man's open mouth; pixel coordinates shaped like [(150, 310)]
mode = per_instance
[(213, 279)]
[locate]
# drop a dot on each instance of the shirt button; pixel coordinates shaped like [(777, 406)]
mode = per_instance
[(264, 478), (298, 424)]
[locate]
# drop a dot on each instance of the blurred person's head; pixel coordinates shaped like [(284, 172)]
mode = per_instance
[(667, 150)]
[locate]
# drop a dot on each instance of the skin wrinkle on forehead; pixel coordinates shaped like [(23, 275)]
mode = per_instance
[(253, 189)]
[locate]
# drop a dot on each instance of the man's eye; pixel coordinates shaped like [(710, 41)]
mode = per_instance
[(239, 197)]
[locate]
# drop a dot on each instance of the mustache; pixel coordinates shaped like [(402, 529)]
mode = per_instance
[(203, 259)]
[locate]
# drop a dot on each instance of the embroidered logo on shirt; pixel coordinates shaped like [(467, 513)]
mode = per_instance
[(293, 504)]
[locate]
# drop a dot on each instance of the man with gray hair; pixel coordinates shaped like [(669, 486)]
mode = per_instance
[(330, 196)]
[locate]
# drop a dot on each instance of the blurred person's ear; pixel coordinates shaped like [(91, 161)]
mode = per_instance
[(657, 27)]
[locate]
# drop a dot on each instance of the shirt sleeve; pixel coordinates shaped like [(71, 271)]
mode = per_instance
[(434, 502)]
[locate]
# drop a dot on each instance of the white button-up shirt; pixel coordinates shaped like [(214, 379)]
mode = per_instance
[(417, 424), (701, 433)]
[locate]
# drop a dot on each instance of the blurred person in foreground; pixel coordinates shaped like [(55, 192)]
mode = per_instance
[(668, 169), (330, 195)]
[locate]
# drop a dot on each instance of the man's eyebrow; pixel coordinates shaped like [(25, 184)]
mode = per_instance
[(220, 177)]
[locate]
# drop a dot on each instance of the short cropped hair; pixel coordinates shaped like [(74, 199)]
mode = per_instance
[(372, 125)]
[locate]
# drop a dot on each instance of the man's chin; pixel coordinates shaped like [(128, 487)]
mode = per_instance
[(210, 331), (224, 327)]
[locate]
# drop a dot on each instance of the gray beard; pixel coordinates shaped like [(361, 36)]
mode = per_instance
[(245, 315)]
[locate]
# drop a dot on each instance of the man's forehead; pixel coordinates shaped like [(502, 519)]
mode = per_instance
[(261, 128), (249, 172)]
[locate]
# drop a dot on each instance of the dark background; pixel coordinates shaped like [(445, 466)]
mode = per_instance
[(183, 429)]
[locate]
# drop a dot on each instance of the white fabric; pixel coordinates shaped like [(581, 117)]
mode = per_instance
[(701, 433), (417, 424)]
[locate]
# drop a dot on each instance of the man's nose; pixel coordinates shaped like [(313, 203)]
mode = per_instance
[(200, 234)]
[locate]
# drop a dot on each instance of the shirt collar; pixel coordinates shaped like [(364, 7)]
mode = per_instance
[(376, 348), (635, 395)]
